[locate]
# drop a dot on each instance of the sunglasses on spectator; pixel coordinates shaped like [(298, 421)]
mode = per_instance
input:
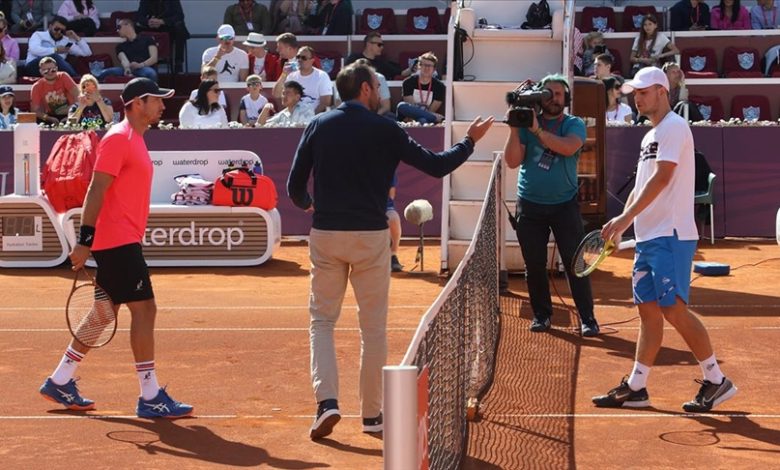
[(58, 30), (302, 57), (53, 69), (380, 44)]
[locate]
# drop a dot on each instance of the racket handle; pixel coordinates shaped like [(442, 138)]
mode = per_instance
[(626, 245)]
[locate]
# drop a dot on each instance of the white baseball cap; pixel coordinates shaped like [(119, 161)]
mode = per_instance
[(644, 78), (226, 32)]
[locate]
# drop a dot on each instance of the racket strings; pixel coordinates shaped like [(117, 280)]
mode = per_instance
[(588, 252), (91, 313)]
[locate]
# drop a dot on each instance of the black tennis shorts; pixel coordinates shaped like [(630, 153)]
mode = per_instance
[(123, 274)]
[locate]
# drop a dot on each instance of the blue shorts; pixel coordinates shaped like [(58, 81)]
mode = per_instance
[(662, 270)]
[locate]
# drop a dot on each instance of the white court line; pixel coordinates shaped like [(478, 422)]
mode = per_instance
[(97, 416), (228, 307), (649, 415), (46, 330), (354, 307)]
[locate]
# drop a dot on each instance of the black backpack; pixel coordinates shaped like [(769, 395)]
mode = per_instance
[(538, 16)]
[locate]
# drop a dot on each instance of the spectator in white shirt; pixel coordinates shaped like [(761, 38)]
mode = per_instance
[(57, 43), (232, 63), (253, 102), (294, 113), (82, 16), (210, 73), (204, 111), (317, 87)]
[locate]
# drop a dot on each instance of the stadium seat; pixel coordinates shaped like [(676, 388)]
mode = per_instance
[(330, 62), (633, 15), (423, 21), (113, 20), (617, 61), (699, 62), (706, 197), (381, 20), (751, 108), (597, 19), (741, 62), (770, 64), (405, 60), (93, 64), (710, 107), (163, 41), (118, 79)]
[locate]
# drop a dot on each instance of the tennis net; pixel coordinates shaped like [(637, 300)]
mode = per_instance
[(457, 338)]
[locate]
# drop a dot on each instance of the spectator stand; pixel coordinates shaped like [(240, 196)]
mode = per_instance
[(622, 18)]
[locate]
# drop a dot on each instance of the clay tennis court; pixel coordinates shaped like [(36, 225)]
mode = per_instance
[(234, 343)]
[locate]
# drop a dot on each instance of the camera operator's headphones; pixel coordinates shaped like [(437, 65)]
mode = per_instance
[(558, 78)]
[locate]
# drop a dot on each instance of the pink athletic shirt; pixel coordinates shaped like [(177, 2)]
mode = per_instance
[(122, 153)]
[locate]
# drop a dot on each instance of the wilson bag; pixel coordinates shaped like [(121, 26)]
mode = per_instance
[(68, 170), (241, 187)]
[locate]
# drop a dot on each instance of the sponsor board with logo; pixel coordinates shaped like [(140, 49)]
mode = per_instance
[(202, 235)]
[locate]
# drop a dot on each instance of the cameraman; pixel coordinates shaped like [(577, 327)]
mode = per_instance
[(547, 152)]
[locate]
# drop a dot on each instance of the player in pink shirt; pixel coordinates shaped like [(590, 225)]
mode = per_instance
[(113, 222)]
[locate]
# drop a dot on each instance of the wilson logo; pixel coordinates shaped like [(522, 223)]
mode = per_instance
[(243, 196)]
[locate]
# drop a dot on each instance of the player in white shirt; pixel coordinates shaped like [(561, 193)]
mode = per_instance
[(317, 87), (661, 209), (232, 63), (252, 103)]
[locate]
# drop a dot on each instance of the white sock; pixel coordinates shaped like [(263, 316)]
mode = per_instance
[(148, 379), (711, 370), (638, 379), (67, 367)]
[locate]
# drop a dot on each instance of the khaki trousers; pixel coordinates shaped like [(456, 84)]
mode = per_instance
[(363, 258)]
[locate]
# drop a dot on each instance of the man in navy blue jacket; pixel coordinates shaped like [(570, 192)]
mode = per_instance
[(353, 153)]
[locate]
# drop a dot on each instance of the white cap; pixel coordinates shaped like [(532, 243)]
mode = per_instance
[(226, 31), (646, 77)]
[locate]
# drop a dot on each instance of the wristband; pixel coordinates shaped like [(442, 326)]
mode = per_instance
[(86, 235)]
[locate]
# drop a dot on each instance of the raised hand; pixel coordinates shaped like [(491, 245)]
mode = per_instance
[(479, 127)]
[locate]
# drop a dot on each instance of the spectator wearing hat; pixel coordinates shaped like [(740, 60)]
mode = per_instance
[(52, 95), (8, 112), (9, 43), (7, 67), (294, 112), (253, 102), (165, 16), (138, 54), (248, 16), (261, 62), (232, 63)]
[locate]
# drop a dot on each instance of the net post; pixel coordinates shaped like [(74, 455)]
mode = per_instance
[(503, 272), (400, 412)]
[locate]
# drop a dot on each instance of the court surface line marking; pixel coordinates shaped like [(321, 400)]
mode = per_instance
[(48, 330), (649, 415), (354, 307)]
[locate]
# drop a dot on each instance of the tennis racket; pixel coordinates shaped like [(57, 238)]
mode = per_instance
[(90, 313), (593, 250)]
